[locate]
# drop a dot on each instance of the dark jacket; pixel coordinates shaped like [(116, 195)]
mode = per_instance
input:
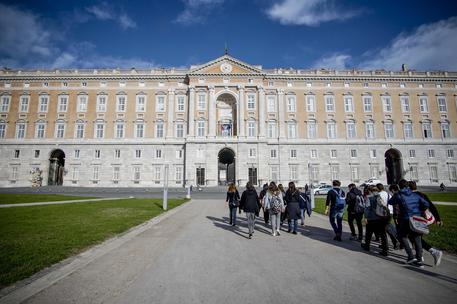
[(370, 208), (431, 206), (231, 196), (250, 201), (305, 203), (351, 199), (409, 203), (293, 206), (331, 196)]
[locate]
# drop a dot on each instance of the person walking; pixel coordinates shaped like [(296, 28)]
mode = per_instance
[(334, 208), (266, 215), (283, 193), (293, 207), (303, 203), (355, 210), (407, 204), (391, 231), (233, 200), (274, 203), (250, 204), (374, 223)]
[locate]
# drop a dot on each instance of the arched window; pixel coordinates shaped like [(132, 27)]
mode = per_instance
[(369, 129), (350, 129), (2, 129), (331, 129), (312, 128), (59, 131), (40, 129), (139, 128), (119, 129), (99, 130), (389, 129), (79, 128), (292, 129), (21, 128), (427, 129), (445, 129)]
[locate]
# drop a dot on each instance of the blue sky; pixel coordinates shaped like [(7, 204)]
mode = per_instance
[(272, 33)]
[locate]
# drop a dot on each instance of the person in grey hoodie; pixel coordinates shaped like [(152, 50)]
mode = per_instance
[(374, 223)]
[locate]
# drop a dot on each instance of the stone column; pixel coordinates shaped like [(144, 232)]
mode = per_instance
[(171, 110), (281, 121), (261, 111), (212, 113), (191, 112), (240, 111)]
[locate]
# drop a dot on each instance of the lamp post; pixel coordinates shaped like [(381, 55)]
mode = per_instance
[(165, 188), (311, 191)]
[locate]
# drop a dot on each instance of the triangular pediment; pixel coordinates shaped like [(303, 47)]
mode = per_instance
[(225, 65)]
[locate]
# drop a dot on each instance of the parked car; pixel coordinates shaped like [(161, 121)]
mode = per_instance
[(370, 182), (322, 189)]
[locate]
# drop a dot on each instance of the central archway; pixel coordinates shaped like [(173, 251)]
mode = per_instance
[(226, 166), (56, 168), (394, 166)]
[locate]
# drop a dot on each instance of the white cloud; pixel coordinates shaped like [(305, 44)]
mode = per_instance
[(334, 61), (105, 12), (308, 12), (196, 11), (430, 46), (126, 22)]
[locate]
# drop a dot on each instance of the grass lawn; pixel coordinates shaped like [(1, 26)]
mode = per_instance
[(443, 196), (10, 198), (444, 238), (36, 237)]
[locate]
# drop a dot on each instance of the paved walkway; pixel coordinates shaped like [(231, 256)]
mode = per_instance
[(61, 202), (194, 256)]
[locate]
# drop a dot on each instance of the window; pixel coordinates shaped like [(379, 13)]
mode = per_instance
[(272, 129), (386, 104), (252, 152), (60, 130), (63, 103), (136, 173), (24, 107), (312, 129), (37, 154), (314, 173), (334, 172), (431, 153), (251, 128), (139, 130), (178, 174), (84, 84), (372, 153), (117, 153), (350, 129), (273, 153), (445, 131), (374, 171), (137, 153), (251, 101), (40, 129), (329, 103), (404, 100), (450, 153), (292, 130), (180, 104), (43, 104), (99, 130), (442, 106), (76, 153), (201, 104), (119, 130), (97, 154), (412, 153), (20, 130), (2, 129), (274, 173), (413, 173), (121, 103), (348, 104), (389, 129), (96, 173), (82, 103), (5, 106), (17, 153), (140, 103), (79, 130), (201, 128), (293, 153), (453, 172), (293, 170), (427, 129), (291, 104), (159, 129), (116, 173), (353, 153), (313, 153), (158, 153), (333, 153), (75, 173), (271, 103), (433, 173), (367, 104), (157, 174), (179, 130), (179, 154), (311, 103), (369, 129), (101, 103), (14, 171), (423, 104), (408, 130), (354, 173), (331, 129)]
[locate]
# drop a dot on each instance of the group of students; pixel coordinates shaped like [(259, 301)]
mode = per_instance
[(384, 214), (277, 205)]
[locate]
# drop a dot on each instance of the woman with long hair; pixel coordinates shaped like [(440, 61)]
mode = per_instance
[(233, 200), (274, 203), (293, 207)]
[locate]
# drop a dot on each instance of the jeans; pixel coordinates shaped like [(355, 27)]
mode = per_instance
[(251, 221), (405, 232), (336, 214), (295, 224), (302, 216), (232, 215), (392, 233), (358, 219), (275, 221), (378, 226), (266, 215)]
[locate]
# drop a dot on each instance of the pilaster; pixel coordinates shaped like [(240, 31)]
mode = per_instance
[(240, 111), (281, 122), (212, 113), (171, 110), (261, 111), (191, 110)]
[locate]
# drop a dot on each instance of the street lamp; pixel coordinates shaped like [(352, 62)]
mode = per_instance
[(165, 188)]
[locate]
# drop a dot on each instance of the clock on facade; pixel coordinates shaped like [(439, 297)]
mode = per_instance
[(226, 67)]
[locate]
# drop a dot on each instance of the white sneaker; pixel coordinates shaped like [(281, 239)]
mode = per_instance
[(278, 233), (437, 255), (273, 233)]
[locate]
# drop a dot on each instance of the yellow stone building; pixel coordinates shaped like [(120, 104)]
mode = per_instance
[(226, 120)]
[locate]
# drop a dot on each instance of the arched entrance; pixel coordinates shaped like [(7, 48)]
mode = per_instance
[(226, 115), (226, 166), (56, 168), (394, 166)]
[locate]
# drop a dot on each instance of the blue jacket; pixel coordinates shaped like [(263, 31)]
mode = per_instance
[(409, 203)]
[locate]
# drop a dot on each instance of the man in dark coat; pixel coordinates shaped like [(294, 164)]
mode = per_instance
[(250, 204)]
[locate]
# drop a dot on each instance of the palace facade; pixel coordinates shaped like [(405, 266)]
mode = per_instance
[(226, 120)]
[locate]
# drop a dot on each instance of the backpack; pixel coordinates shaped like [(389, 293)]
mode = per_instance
[(381, 210), (340, 199), (359, 206), (275, 204)]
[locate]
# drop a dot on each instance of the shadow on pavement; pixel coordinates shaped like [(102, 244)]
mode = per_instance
[(240, 222)]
